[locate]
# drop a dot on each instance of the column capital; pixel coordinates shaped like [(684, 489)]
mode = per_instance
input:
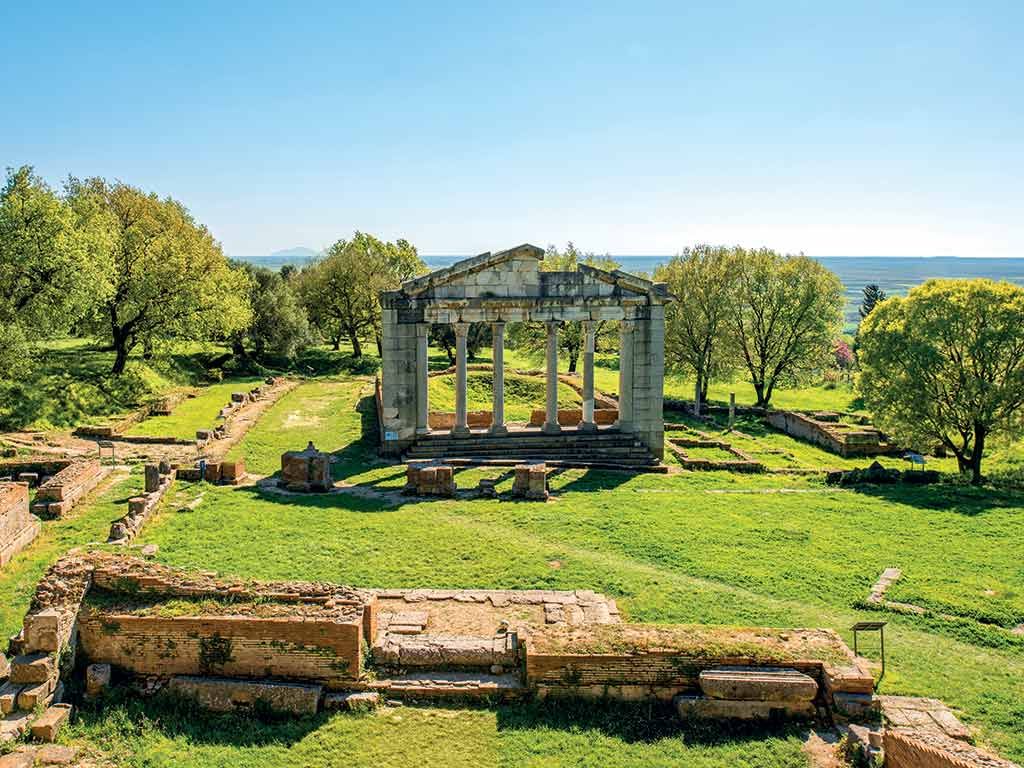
[(553, 325), (627, 326), (461, 329), (589, 326), (422, 329), (497, 325)]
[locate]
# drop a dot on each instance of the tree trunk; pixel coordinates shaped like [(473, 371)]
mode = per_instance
[(237, 347), (976, 454), (762, 401), (336, 343), (697, 396), (573, 357), (121, 358), (357, 349)]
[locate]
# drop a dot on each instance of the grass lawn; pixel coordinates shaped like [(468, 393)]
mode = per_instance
[(709, 547), (523, 394), (199, 412)]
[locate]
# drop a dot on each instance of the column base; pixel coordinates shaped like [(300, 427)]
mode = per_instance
[(587, 426), (498, 429), (550, 429), (460, 432), (623, 426)]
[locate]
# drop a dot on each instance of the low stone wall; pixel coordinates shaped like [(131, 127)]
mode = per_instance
[(743, 462), (446, 419), (907, 748), (18, 527), (57, 496), (635, 662), (831, 435), (570, 417), (126, 528), (41, 466)]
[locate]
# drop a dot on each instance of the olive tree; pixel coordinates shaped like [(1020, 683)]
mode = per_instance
[(167, 277), (945, 365)]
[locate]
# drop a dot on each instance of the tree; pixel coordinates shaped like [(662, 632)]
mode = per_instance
[(168, 278), (872, 297), (946, 364), (279, 325), (341, 290), (697, 325), (570, 335), (478, 336), (48, 277), (789, 309)]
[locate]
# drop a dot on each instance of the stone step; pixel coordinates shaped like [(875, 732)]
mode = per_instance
[(626, 453), (645, 465), (758, 684), (451, 685)]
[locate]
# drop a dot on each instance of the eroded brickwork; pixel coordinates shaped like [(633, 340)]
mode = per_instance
[(18, 527)]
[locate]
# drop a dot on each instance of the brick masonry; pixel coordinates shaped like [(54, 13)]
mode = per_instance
[(57, 496), (916, 749), (18, 527)]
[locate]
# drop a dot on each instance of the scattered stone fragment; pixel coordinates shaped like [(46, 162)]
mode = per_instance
[(97, 679), (360, 701), (48, 724), (56, 754)]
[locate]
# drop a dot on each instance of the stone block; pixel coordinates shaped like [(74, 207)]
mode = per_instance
[(33, 668), (97, 679), (137, 505), (212, 473), (219, 694), (758, 684), (16, 759), (357, 701), (855, 704), (48, 724), (42, 631), (9, 697), (232, 471), (238, 397), (152, 478), (5, 666), (32, 696), (204, 435), (703, 708), (307, 470), (56, 754)]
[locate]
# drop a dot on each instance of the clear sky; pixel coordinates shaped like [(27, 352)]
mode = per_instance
[(854, 128)]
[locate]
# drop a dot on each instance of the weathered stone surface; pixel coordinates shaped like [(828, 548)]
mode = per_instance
[(228, 695), (152, 478), (758, 684), (41, 631), (9, 697), (530, 482), (306, 470), (429, 479), (97, 679), (18, 527), (31, 696), (33, 668), (701, 707), (56, 754), (48, 725), (16, 759)]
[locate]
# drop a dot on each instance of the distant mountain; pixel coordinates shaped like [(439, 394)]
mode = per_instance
[(297, 256)]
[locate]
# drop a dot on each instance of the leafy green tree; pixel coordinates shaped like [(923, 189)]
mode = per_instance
[(872, 297), (698, 330), (946, 364), (49, 278), (477, 337), (341, 290), (570, 336), (789, 309), (168, 278), (279, 325)]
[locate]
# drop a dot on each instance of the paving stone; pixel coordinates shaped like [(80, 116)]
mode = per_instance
[(48, 725)]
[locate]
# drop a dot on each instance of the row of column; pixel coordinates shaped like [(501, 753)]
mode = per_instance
[(551, 426)]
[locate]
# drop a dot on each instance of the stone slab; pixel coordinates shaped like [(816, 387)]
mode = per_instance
[(758, 684), (48, 725), (703, 708), (219, 694)]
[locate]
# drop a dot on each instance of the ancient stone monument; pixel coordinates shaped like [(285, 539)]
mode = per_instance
[(509, 286), (307, 470)]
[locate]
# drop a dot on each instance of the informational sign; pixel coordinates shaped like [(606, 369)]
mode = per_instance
[(390, 435)]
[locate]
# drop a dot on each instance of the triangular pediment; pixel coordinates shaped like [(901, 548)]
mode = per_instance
[(458, 272)]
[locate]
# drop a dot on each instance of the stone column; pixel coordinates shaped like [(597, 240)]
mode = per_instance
[(551, 401), (461, 429), (498, 408), (625, 421), (422, 373), (589, 331)]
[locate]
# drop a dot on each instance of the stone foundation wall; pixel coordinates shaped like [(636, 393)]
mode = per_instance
[(126, 528), (328, 651), (915, 749), (57, 496), (570, 417), (18, 527), (829, 435)]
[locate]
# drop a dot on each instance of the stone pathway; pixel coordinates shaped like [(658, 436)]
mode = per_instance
[(922, 715)]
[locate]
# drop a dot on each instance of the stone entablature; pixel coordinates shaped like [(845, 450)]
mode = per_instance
[(509, 286)]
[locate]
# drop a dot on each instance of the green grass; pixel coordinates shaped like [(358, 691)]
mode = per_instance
[(710, 547), (523, 394), (199, 412)]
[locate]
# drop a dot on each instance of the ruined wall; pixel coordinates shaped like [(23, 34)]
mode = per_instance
[(917, 749), (57, 496), (837, 438), (18, 528), (299, 647)]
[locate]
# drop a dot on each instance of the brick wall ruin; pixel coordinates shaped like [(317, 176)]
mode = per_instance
[(920, 749), (18, 527), (58, 495), (825, 430)]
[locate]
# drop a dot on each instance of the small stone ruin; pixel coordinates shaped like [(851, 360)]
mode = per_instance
[(429, 479), (306, 471), (531, 482), (56, 496), (158, 479), (18, 527)]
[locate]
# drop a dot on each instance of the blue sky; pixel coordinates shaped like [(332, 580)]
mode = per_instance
[(862, 128)]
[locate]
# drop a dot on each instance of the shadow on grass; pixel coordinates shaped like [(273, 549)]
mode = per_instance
[(632, 722), (945, 496)]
